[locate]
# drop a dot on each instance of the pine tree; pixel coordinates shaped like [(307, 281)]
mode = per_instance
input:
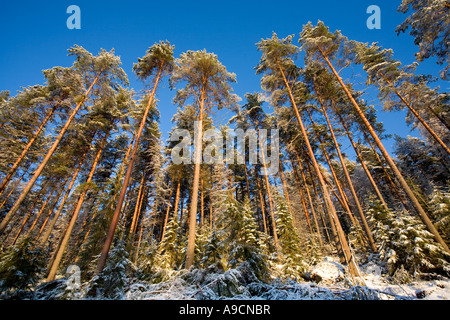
[(405, 243), (208, 84), (430, 29), (281, 79), (292, 258), (240, 236), (116, 275), (21, 265), (159, 60), (319, 42), (395, 83), (100, 73)]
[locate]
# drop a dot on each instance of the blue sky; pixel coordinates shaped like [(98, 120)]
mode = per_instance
[(35, 36)]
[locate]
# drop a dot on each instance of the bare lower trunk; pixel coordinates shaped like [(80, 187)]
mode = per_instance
[(421, 120), (330, 207), (44, 161), (16, 164), (263, 207), (118, 209), (166, 219), (350, 183), (63, 201), (65, 240), (426, 220)]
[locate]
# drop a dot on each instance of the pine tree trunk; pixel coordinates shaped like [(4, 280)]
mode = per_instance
[(263, 207), (136, 207), (349, 258), (195, 186), (300, 191), (247, 185), (15, 166), (201, 202), (386, 173), (118, 209), (52, 208), (343, 200), (311, 205), (166, 218), (91, 223), (44, 161), (349, 181), (269, 195), (361, 160), (63, 201), (316, 194), (65, 240), (141, 203), (24, 222), (426, 220), (28, 215), (286, 192), (416, 114), (40, 211), (14, 188)]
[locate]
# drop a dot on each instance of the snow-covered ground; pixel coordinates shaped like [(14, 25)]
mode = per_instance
[(329, 282)]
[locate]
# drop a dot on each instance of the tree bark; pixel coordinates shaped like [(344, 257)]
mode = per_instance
[(16, 164), (166, 219), (14, 188), (195, 185), (118, 209), (136, 207), (263, 207), (65, 240), (269, 194), (349, 258), (349, 181), (50, 152), (417, 115), (426, 220), (63, 201), (300, 191)]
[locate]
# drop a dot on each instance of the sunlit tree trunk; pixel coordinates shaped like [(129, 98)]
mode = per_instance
[(269, 194), (263, 207), (65, 240), (136, 207), (16, 164), (14, 188), (426, 220), (300, 191), (349, 181), (44, 161), (349, 258), (195, 184), (166, 218), (63, 201), (417, 115), (118, 209)]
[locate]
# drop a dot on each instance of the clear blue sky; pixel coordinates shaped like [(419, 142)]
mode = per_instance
[(35, 36)]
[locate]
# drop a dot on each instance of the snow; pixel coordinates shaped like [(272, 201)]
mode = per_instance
[(333, 284), (329, 271), (328, 280)]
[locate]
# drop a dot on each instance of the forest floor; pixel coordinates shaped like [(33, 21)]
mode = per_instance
[(329, 281)]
